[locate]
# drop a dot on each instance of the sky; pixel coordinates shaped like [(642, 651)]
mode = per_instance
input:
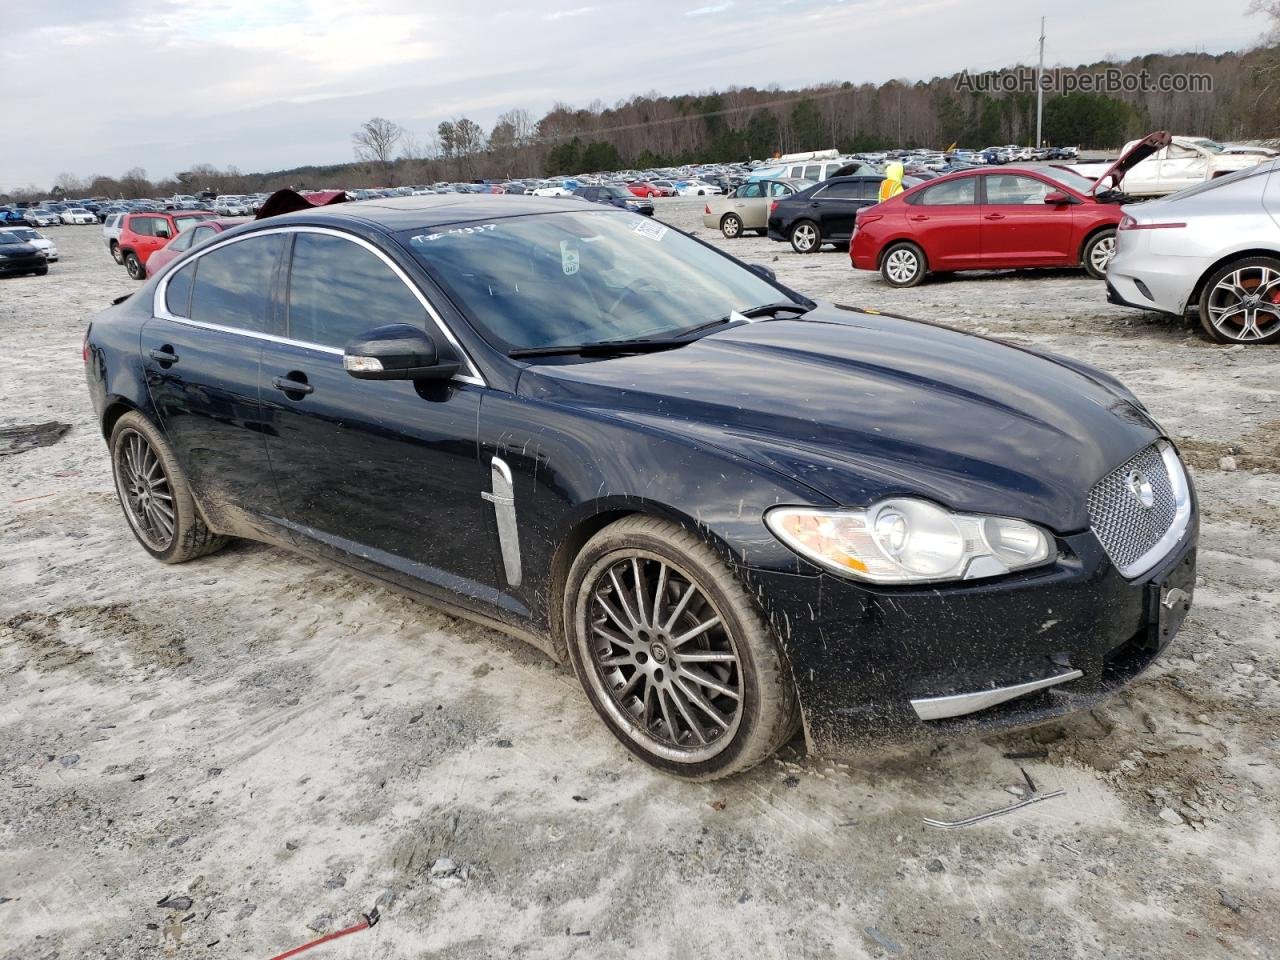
[(99, 86)]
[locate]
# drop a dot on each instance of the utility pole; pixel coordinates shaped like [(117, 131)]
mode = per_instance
[(1040, 88)]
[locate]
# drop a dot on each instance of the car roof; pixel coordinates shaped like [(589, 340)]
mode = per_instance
[(413, 213)]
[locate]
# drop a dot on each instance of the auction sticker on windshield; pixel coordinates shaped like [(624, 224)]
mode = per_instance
[(647, 228)]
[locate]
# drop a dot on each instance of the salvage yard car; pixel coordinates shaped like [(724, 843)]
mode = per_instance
[(1214, 249), (18, 257), (142, 234), (737, 512), (747, 208), (1008, 218), (1181, 163)]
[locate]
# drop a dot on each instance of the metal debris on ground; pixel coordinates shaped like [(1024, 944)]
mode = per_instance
[(367, 920), (28, 436), (171, 902), (1034, 796)]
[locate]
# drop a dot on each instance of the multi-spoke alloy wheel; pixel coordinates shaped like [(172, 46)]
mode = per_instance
[(805, 237), (661, 653), (144, 491), (155, 495), (673, 652), (1241, 302), (1098, 253)]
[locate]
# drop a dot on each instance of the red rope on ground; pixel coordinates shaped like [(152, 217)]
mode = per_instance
[(367, 921)]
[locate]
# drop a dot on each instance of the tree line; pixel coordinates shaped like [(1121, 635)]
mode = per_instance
[(652, 130)]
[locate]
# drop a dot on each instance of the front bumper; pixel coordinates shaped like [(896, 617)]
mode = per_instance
[(913, 662), (10, 266)]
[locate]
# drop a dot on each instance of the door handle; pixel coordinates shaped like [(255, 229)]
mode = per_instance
[(290, 385), (813, 203), (164, 355), (920, 216), (993, 216)]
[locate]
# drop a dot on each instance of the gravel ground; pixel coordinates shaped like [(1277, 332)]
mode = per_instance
[(282, 745)]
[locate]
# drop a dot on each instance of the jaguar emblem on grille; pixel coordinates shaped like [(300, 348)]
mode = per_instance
[(1139, 486)]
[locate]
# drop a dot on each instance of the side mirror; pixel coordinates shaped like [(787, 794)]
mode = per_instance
[(1056, 198), (766, 272), (397, 351)]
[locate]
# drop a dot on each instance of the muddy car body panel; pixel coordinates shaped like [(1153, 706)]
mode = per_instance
[(408, 481)]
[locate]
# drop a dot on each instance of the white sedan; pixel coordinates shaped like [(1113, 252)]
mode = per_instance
[(555, 188), (78, 215), (36, 239), (696, 188), (1214, 248)]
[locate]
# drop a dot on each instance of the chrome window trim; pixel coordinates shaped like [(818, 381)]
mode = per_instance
[(1181, 517), (160, 309)]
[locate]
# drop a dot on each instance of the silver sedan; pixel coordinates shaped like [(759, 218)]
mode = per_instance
[(1213, 248)]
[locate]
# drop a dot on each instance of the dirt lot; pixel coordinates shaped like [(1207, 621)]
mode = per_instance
[(285, 745)]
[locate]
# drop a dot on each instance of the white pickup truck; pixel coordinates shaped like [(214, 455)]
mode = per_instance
[(1185, 162)]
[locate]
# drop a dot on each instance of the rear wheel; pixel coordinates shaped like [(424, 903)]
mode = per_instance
[(806, 237), (1098, 253), (154, 494), (903, 265), (673, 653), (134, 266), (116, 255), (1240, 302), (731, 226)]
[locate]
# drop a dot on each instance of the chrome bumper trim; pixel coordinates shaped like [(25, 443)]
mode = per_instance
[(956, 705)]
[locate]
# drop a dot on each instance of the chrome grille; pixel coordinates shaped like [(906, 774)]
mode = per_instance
[(1128, 530)]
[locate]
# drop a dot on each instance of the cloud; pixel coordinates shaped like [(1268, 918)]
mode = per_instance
[(166, 84), (713, 8)]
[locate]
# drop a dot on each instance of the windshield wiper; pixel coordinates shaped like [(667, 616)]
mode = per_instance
[(601, 348), (772, 309)]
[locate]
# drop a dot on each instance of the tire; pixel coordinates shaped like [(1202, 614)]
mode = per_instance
[(1097, 253), (134, 266), (806, 237), (731, 226), (1240, 302), (903, 265), (142, 461), (116, 255), (643, 692), (41, 272)]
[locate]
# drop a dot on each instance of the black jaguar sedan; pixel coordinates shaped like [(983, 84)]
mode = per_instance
[(737, 512)]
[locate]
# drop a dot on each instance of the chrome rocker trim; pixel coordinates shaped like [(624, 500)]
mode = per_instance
[(956, 705)]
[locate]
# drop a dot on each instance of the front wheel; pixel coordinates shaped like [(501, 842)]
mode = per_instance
[(1240, 302), (116, 255), (903, 265), (673, 654), (1098, 253), (155, 495), (806, 237), (731, 226), (134, 266)]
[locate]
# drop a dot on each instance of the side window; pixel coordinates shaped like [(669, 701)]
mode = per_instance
[(331, 314), (182, 241), (233, 283), (177, 296), (780, 189), (813, 172), (950, 193), (869, 188), (1008, 189), (843, 190), (753, 189), (143, 226)]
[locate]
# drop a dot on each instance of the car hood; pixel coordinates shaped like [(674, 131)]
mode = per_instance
[(1144, 148), (859, 406), (24, 249)]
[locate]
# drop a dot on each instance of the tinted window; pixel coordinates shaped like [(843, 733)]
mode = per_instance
[(339, 290), (813, 172), (844, 190), (233, 283), (177, 295), (144, 226), (948, 193), (1008, 189)]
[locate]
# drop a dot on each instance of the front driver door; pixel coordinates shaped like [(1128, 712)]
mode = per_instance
[(373, 472)]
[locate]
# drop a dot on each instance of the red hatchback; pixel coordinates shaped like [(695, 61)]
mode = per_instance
[(193, 236), (1002, 218)]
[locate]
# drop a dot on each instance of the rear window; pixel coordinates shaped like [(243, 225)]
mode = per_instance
[(177, 296)]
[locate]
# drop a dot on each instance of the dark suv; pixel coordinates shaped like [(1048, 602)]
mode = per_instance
[(615, 196)]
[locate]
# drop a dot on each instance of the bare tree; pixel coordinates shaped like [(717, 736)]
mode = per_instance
[(375, 143)]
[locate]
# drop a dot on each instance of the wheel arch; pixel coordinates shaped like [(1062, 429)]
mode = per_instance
[(1088, 238), (1194, 297), (888, 245), (116, 408)]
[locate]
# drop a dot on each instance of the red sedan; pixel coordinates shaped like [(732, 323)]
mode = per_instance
[(193, 236), (1002, 218), (648, 190)]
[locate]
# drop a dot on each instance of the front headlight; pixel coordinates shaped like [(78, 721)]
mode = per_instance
[(909, 541)]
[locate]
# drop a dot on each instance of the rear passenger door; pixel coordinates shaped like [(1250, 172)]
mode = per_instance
[(838, 205), (381, 472), (944, 220), (200, 351)]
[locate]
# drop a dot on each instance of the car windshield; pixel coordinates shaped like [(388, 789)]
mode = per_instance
[(1068, 178), (1211, 145), (614, 191), (25, 234), (10, 238), (583, 277)]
